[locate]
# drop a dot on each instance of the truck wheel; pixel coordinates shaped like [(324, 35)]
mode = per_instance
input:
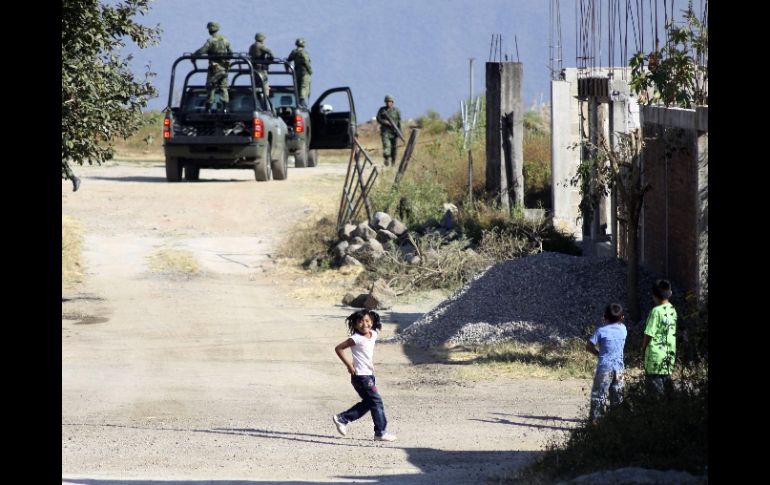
[(312, 159), (192, 172), (173, 170), (281, 166), (262, 168), (301, 156)]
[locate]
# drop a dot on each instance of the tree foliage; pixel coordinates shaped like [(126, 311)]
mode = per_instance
[(677, 74), (101, 97)]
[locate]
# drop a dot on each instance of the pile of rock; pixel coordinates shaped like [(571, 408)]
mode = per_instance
[(379, 297), (544, 298), (365, 243)]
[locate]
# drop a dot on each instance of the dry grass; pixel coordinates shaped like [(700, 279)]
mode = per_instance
[(146, 143), (308, 238), (325, 285), (173, 261), (517, 360), (71, 246)]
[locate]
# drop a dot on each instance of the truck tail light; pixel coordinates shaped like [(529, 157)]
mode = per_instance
[(258, 128), (166, 127), (299, 124)]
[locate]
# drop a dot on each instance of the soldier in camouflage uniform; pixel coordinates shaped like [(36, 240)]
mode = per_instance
[(259, 52), (303, 70), (216, 79), (387, 133)]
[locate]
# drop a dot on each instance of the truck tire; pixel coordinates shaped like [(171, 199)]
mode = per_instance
[(312, 159), (262, 168), (281, 166), (301, 155), (192, 172), (173, 169)]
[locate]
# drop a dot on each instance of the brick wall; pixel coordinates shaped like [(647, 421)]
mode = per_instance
[(670, 221)]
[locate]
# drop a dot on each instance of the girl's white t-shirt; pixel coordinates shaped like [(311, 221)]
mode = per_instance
[(363, 353)]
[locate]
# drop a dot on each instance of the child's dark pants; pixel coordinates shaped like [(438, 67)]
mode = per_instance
[(371, 401)]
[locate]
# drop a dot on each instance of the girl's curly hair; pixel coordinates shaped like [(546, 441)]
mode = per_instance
[(356, 317)]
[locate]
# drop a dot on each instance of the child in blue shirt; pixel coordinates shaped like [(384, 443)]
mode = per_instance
[(610, 338)]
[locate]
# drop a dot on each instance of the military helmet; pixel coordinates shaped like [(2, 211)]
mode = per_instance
[(300, 42), (259, 37), (389, 98), (212, 26)]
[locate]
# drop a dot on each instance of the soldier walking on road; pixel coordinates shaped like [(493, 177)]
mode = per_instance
[(260, 52), (302, 69), (216, 79), (387, 132)]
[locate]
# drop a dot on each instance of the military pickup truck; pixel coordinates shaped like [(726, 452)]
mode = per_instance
[(247, 133), (250, 132)]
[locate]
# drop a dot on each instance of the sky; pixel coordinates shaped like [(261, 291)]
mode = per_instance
[(417, 51)]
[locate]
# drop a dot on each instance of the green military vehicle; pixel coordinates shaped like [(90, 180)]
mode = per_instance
[(320, 127), (248, 133)]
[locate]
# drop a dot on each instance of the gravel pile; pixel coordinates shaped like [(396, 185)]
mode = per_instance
[(549, 297)]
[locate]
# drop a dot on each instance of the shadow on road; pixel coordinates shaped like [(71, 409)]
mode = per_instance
[(517, 423), (155, 180), (436, 466)]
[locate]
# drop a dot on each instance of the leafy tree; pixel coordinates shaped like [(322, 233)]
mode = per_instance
[(101, 99), (678, 73)]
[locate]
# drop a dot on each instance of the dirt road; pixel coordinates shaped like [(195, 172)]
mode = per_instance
[(228, 376)]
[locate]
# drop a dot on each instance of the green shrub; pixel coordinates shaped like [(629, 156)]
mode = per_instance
[(431, 123), (646, 430), (530, 236), (411, 202)]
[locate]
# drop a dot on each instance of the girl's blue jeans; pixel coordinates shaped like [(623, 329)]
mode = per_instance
[(371, 401)]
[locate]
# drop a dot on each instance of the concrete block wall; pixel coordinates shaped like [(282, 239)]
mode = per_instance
[(674, 226)]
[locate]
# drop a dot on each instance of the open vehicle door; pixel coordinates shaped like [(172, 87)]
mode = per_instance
[(333, 126)]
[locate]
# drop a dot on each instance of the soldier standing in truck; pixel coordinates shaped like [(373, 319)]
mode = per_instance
[(260, 52), (216, 78), (302, 69)]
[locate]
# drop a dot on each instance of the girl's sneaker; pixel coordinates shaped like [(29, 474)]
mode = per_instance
[(385, 437), (341, 427)]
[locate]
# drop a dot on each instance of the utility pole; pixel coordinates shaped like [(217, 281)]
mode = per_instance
[(470, 155)]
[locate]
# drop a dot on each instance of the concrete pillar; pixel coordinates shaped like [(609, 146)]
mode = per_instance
[(565, 198), (619, 123), (505, 132), (602, 218)]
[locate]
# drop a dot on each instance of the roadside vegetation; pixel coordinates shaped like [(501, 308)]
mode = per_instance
[(146, 143), (438, 174), (71, 245), (646, 431)]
